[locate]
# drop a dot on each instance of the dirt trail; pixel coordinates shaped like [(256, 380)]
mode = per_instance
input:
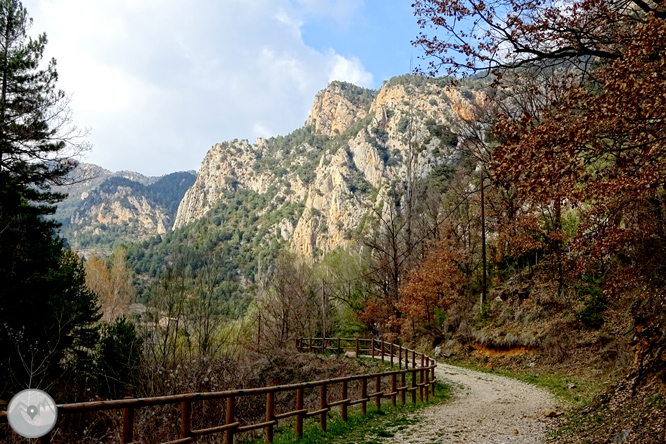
[(486, 409)]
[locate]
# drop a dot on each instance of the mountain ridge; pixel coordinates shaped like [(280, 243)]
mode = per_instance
[(340, 165), (105, 209)]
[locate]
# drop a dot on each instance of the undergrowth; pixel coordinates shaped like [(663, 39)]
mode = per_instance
[(619, 415)]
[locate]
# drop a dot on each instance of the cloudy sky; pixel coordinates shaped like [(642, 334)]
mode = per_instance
[(158, 82)]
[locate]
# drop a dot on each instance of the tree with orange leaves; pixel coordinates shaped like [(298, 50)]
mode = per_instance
[(588, 134), (431, 288)]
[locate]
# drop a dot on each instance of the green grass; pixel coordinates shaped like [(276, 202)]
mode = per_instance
[(553, 381), (359, 428)]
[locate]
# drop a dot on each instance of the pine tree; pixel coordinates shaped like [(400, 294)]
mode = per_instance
[(47, 314)]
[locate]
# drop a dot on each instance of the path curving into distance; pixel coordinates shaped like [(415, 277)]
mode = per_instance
[(486, 409)]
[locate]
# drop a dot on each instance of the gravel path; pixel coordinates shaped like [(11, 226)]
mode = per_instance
[(486, 409)]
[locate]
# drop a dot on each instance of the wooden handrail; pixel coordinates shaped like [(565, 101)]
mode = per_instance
[(232, 425)]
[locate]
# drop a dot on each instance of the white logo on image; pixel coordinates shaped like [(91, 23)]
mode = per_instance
[(32, 413)]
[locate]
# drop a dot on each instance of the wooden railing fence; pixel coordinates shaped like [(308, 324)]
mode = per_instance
[(419, 366)]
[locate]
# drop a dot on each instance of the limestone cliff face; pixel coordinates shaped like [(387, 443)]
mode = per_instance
[(84, 179), (333, 110), (230, 166), (122, 209), (120, 205), (356, 145)]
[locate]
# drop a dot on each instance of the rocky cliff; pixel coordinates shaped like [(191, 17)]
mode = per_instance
[(337, 106), (110, 208), (356, 146), (85, 178)]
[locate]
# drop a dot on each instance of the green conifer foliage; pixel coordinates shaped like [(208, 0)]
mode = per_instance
[(47, 315)]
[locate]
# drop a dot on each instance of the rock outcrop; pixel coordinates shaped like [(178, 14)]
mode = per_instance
[(356, 145), (115, 204), (123, 207), (336, 107)]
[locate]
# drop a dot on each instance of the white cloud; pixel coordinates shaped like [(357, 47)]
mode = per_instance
[(350, 70), (289, 20), (160, 82)]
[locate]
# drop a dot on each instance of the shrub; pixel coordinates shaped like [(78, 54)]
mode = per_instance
[(591, 316), (118, 357)]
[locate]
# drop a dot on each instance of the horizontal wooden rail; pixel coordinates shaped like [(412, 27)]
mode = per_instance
[(292, 413), (422, 369), (215, 429), (318, 412)]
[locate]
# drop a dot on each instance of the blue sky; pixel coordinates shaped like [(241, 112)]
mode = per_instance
[(158, 82), (379, 35)]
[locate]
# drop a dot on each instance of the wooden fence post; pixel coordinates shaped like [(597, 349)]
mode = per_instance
[(364, 395), (310, 345), (403, 384), (382, 345), (231, 407), (391, 354), (372, 345), (378, 389), (339, 349), (324, 404), (128, 425), (413, 385), (421, 380), (299, 417), (186, 420), (270, 415), (344, 405), (413, 359), (427, 385), (357, 347), (393, 387), (432, 374)]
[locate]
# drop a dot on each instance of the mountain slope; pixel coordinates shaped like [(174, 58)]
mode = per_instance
[(318, 189), (123, 207), (85, 178), (356, 146)]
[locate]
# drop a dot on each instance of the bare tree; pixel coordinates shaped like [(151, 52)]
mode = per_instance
[(291, 307)]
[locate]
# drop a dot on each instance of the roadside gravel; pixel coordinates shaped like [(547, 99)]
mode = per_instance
[(486, 409)]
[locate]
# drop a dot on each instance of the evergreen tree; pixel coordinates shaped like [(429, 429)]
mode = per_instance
[(47, 315), (37, 140)]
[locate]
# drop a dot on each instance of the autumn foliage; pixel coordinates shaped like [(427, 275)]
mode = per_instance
[(579, 135), (431, 288), (113, 286), (599, 149)]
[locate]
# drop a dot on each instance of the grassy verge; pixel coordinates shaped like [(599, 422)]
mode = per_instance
[(359, 428), (557, 383)]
